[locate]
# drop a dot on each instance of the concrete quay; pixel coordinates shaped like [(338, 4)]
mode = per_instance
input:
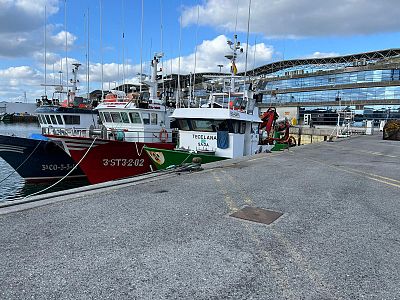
[(172, 237)]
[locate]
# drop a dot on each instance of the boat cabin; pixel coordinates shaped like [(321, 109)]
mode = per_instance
[(227, 126), (65, 120), (130, 122)]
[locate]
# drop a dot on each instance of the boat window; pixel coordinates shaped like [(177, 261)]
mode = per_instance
[(236, 126), (107, 116), (102, 117), (183, 124), (153, 118), (48, 119), (116, 117), (203, 125), (41, 120), (135, 118), (125, 118), (59, 119), (243, 127), (72, 120), (53, 119), (146, 118)]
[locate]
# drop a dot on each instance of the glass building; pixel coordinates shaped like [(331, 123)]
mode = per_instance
[(367, 84)]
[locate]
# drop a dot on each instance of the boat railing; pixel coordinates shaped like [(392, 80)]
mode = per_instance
[(128, 135)]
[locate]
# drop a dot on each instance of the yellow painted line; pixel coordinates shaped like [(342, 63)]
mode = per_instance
[(365, 151), (281, 279), (265, 157), (227, 199), (324, 287), (302, 263), (375, 177)]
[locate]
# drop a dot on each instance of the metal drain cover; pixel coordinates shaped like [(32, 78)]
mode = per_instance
[(256, 214)]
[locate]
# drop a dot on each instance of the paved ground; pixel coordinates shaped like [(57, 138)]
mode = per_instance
[(339, 237)]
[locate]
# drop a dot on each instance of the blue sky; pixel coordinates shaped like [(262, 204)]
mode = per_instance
[(279, 29)]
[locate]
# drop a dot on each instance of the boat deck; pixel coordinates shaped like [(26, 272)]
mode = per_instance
[(172, 237)]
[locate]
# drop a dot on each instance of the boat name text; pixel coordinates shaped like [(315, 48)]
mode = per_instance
[(123, 162), (203, 139), (55, 167)]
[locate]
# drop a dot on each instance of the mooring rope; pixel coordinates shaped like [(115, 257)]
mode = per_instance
[(137, 150), (26, 159), (54, 184)]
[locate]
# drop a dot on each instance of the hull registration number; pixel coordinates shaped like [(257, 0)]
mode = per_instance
[(123, 162)]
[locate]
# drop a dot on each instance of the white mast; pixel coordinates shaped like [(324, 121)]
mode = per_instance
[(45, 53), (162, 48), (123, 46), (141, 49), (66, 46), (235, 45), (101, 51), (179, 61), (87, 61), (195, 52), (247, 41)]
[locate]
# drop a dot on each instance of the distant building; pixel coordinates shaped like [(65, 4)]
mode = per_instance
[(17, 108), (366, 83)]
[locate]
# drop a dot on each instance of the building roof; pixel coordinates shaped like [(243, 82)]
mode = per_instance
[(344, 59)]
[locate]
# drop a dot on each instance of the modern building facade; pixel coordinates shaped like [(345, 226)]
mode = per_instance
[(368, 84)]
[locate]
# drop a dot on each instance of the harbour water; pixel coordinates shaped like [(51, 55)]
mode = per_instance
[(12, 186)]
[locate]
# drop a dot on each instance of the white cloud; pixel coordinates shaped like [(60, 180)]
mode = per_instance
[(15, 80), (24, 15), (211, 53), (298, 18), (318, 54), (22, 28), (28, 44), (59, 39)]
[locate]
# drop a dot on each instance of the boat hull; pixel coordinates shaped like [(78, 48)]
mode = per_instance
[(164, 158), (108, 160), (37, 160)]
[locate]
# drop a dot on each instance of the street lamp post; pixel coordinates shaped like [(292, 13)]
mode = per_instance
[(220, 67)]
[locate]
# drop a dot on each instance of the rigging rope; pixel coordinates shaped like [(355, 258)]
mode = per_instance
[(54, 184)]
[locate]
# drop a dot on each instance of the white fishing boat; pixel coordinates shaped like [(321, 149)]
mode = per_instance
[(226, 126)]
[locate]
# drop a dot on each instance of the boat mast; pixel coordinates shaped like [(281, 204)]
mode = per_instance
[(247, 41), (179, 61), (235, 45), (87, 57), (141, 49), (153, 81), (195, 54), (66, 46), (101, 51), (45, 53), (75, 80), (162, 49), (123, 45)]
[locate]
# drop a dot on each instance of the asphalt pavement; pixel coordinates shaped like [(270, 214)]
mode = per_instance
[(173, 237)]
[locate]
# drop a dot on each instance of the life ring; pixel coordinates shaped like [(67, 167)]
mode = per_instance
[(163, 136)]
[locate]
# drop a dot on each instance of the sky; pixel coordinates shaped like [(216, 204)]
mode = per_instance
[(109, 32)]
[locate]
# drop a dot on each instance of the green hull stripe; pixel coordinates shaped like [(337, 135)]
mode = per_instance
[(163, 158)]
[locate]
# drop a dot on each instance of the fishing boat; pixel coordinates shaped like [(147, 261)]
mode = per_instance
[(128, 124), (37, 158), (226, 126)]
